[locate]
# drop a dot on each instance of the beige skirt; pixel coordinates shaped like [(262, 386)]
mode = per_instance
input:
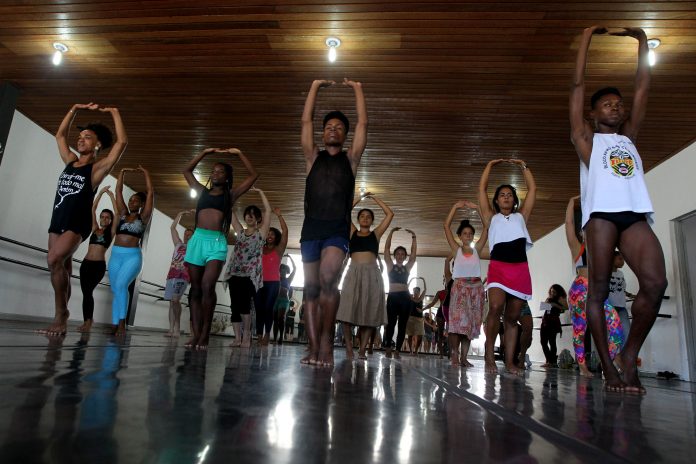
[(415, 326), (362, 297)]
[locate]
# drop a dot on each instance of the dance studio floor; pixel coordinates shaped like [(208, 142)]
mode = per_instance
[(93, 399)]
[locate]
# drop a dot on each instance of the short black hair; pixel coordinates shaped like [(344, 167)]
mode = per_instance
[(278, 236), (142, 196), (254, 211), (337, 115), (602, 92), (102, 132)]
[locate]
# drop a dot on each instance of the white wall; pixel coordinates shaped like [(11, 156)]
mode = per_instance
[(671, 189), (28, 176)]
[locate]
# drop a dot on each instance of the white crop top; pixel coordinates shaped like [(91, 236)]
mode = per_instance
[(505, 229), (466, 266), (614, 180)]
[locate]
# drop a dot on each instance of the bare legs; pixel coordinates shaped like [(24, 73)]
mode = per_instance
[(202, 299), (174, 317), (321, 304), (643, 254), (526, 326), (60, 250), (499, 303)]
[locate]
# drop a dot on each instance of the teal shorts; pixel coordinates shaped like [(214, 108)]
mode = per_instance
[(206, 245)]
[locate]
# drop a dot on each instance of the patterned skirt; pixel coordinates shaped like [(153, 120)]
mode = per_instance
[(362, 296), (466, 307)]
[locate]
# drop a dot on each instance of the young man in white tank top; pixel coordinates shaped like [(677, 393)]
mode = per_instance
[(616, 206)]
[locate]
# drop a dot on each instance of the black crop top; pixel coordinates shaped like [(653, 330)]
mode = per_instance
[(398, 274), (134, 229), (208, 201), (510, 252), (360, 243), (104, 239)]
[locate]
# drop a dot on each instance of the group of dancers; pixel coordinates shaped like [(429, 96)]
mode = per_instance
[(616, 212)]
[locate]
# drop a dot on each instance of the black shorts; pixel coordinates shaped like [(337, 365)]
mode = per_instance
[(622, 220)]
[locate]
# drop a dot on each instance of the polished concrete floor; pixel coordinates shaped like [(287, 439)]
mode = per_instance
[(145, 400)]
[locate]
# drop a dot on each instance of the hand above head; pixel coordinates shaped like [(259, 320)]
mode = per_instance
[(107, 109), (128, 169), (233, 151), (141, 169), (254, 188), (210, 150), (496, 161), (596, 29), (635, 32), (323, 83), (105, 189), (350, 83), (86, 106), (366, 195), (187, 211), (410, 232), (276, 211)]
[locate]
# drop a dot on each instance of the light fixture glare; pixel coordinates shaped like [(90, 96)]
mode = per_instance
[(193, 193), (333, 43), (57, 57)]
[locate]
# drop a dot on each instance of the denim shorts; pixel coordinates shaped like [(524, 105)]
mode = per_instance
[(206, 245), (311, 249)]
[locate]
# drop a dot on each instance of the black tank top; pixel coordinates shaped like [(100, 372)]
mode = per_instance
[(72, 206), (398, 274), (367, 243), (104, 239), (328, 198), (206, 200), (414, 310)]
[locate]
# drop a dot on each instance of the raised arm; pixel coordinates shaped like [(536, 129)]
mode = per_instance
[(309, 148), (188, 170), (146, 212), (642, 83), (236, 225), (62, 133), (175, 223), (481, 244), (267, 211), (448, 225), (294, 269), (356, 202), (414, 250), (95, 206), (114, 222), (529, 201), (246, 184), (425, 288), (581, 132), (121, 207), (280, 249), (485, 208), (387, 249), (388, 216), (572, 238), (360, 135), (104, 166)]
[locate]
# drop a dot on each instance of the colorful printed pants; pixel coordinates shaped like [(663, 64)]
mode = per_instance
[(577, 297)]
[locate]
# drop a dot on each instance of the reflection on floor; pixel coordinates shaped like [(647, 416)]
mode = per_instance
[(145, 400)]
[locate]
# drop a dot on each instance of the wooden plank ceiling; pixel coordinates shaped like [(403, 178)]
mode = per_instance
[(449, 85)]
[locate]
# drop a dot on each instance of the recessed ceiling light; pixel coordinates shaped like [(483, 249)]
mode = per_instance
[(652, 56), (58, 54), (333, 43)]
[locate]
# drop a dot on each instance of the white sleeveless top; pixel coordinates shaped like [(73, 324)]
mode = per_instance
[(466, 266), (614, 181), (505, 229)]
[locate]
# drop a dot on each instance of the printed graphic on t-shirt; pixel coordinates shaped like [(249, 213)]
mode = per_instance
[(69, 184), (620, 160), (617, 284)]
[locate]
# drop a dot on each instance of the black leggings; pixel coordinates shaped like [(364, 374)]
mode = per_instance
[(399, 306), (264, 301), (548, 344), (242, 291), (91, 273)]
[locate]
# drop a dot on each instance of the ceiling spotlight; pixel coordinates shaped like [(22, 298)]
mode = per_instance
[(58, 54), (333, 43), (193, 193), (652, 45)]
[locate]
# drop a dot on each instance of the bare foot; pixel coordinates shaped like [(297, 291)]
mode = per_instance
[(59, 326), (311, 358), (349, 353), (246, 342), (633, 385), (514, 370), (490, 366), (121, 329), (585, 372), (454, 362), (191, 342), (86, 326), (465, 363), (111, 329), (362, 356), (236, 343), (397, 355), (168, 334), (618, 363), (388, 353)]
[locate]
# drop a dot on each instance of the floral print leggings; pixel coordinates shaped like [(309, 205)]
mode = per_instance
[(576, 300)]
